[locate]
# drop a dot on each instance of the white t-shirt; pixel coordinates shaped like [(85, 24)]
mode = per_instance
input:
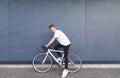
[(61, 38)]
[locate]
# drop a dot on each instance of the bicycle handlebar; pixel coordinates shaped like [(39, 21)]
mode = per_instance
[(44, 48)]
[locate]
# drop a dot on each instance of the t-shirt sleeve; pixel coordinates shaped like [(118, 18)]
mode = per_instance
[(56, 34)]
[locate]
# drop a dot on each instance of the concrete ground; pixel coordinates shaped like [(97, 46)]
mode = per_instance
[(87, 71)]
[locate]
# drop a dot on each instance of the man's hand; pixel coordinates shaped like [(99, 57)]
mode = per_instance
[(46, 46)]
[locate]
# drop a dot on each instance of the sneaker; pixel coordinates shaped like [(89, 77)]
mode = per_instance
[(64, 74)]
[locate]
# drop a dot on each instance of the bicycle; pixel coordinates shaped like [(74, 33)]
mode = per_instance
[(42, 62)]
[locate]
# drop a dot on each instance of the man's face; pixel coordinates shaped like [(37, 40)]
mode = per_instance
[(52, 29)]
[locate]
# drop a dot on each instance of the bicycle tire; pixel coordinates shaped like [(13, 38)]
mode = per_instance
[(39, 66), (74, 63)]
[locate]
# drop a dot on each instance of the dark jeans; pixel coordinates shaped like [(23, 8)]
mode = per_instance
[(66, 49)]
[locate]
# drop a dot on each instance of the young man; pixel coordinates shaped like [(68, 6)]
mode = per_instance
[(63, 42)]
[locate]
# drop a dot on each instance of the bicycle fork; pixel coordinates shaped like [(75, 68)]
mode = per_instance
[(45, 58)]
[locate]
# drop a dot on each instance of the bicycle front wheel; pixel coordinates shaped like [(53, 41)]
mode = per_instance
[(74, 63), (42, 62)]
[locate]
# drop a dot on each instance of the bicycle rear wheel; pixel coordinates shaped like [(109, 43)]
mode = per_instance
[(42, 62), (74, 63)]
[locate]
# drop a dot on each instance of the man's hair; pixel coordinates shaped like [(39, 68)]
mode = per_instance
[(52, 25)]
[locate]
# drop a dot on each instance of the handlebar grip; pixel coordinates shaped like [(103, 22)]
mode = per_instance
[(44, 48)]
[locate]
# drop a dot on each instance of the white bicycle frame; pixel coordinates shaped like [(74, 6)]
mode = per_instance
[(50, 52), (47, 56)]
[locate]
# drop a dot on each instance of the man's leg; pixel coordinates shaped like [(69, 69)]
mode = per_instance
[(66, 49), (65, 71), (57, 47)]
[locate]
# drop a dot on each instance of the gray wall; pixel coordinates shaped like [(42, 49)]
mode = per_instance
[(93, 27)]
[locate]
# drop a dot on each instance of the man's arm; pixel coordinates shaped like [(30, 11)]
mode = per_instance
[(51, 41)]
